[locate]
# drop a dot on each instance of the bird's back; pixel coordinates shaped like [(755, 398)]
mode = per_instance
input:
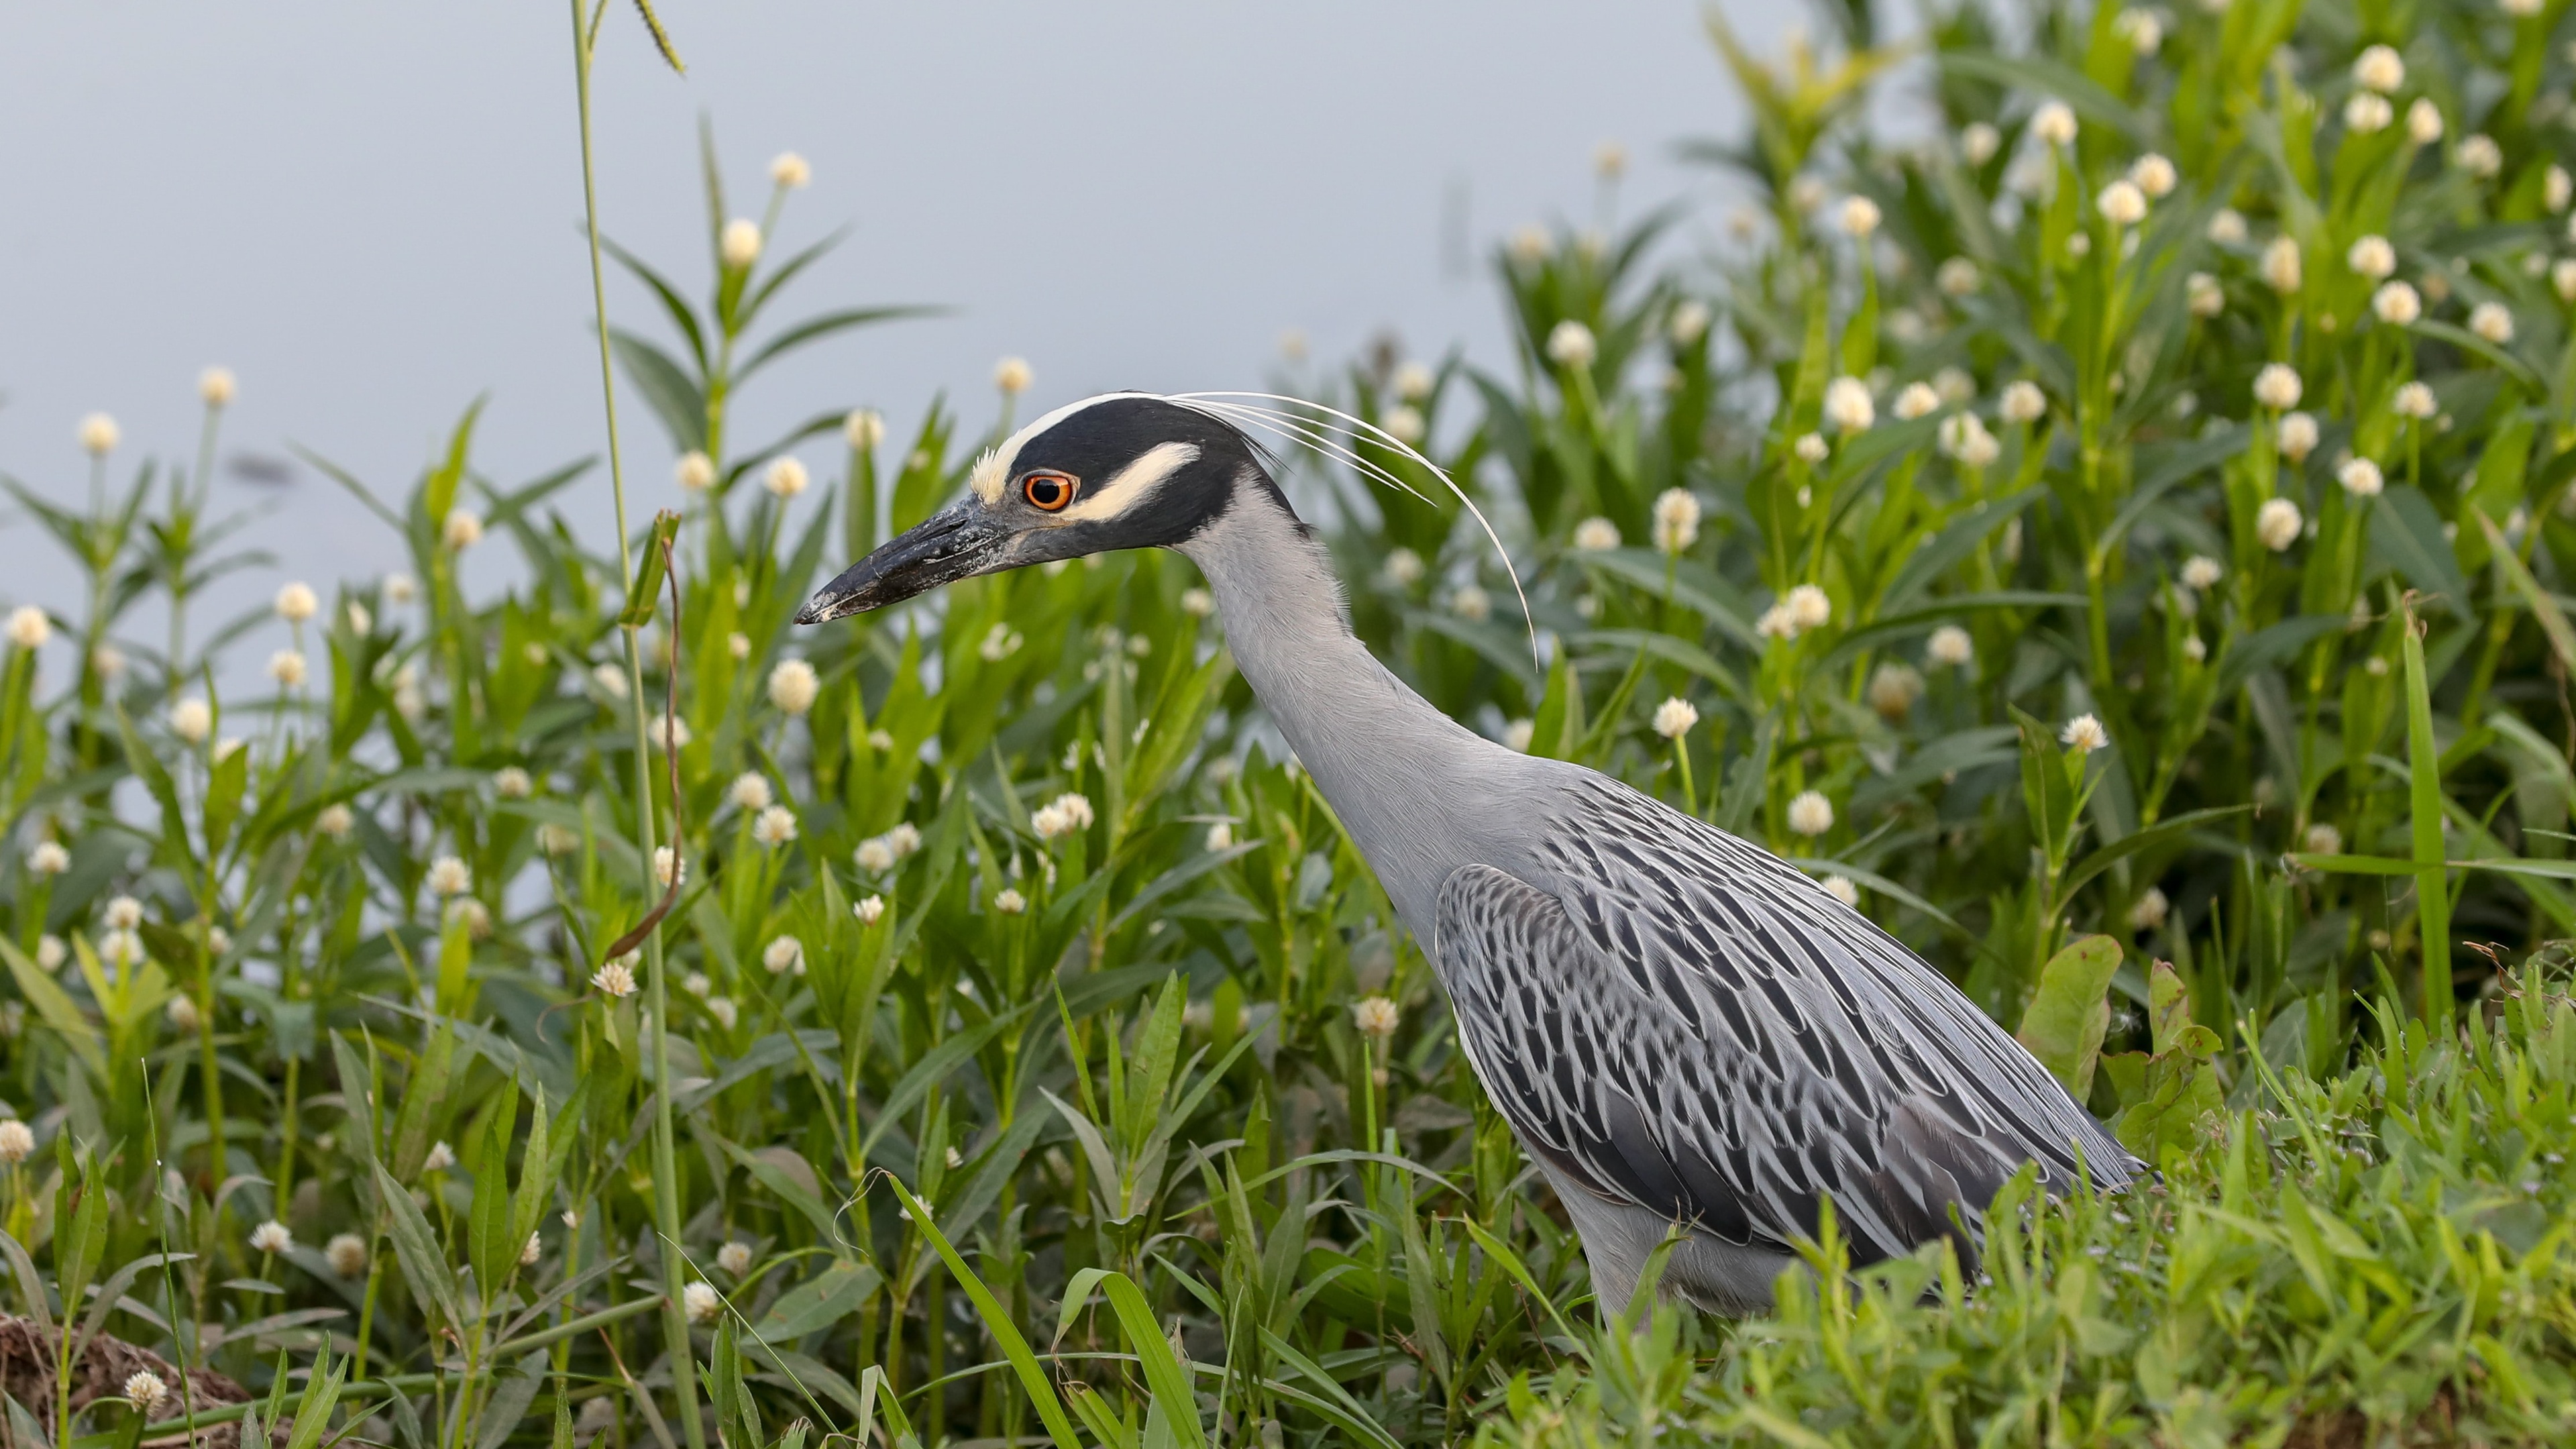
[(1683, 1028)]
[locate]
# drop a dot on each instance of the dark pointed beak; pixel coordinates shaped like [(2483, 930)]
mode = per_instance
[(956, 543)]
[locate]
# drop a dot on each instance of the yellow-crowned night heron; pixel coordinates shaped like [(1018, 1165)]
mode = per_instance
[(1682, 1028)]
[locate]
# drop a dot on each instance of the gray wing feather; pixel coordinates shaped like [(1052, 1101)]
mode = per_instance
[(1675, 1019)]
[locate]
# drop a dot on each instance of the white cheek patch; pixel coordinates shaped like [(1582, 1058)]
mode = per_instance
[(1132, 484), (992, 472)]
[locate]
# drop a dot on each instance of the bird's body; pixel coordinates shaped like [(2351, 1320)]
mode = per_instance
[(1681, 1028)]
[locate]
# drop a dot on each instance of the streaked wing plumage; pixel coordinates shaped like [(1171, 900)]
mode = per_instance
[(1677, 1020)]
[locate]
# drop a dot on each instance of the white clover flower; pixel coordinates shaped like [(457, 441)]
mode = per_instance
[(1811, 814), (2562, 278), (556, 839), (2397, 304), (2423, 122), (441, 1157), (226, 748), (793, 685), (774, 826), (121, 948), (2227, 227), (695, 472), (869, 910), (668, 869), (183, 1015), (191, 720), (17, 1140), (216, 386), (2023, 402), (1375, 1016), (750, 792), (1220, 836), (362, 623), (2148, 911), (1859, 216), (2200, 571), (1675, 717), (347, 1255), (1840, 887), (123, 913), (1677, 515), (1950, 645), (2491, 321), (1010, 902), (1847, 405), (738, 245), (2323, 839), (1978, 143), (1958, 277), (863, 429), (2203, 295), (1965, 438), (1916, 400), (2360, 477), (999, 643), (1518, 735), (1471, 604), (2193, 649), (905, 837), (785, 477), (2379, 68), (145, 1390), (2277, 524), (734, 1259), (2367, 113), (724, 1011), (2556, 188), (1688, 323), (336, 821), (782, 955), (2281, 270), (875, 856), (1571, 344), (1809, 606), (668, 733), (2414, 400), (1404, 568), (2144, 31), (1596, 535), (2519, 9), (463, 530), (701, 1302), (2122, 203), (2154, 175), (1529, 245), (1198, 603), (2084, 734), (790, 170), (1405, 424), (48, 858), (2372, 257), (2480, 156), (51, 952), (615, 980), (2298, 437), (448, 876), (1893, 688), (99, 435), (28, 627), (271, 1237), (880, 740), (401, 588), (2277, 387), (1012, 376), (1810, 448), (2053, 124), (512, 783), (296, 603)]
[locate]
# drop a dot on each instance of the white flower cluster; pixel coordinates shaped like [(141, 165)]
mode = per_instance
[(1066, 814), (1801, 609), (881, 853)]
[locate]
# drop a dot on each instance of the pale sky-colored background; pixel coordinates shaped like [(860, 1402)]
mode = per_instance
[(370, 212)]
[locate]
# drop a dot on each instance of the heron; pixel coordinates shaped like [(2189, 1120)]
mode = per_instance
[(1692, 1038)]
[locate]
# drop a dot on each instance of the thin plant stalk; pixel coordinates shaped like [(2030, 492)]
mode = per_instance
[(666, 1189)]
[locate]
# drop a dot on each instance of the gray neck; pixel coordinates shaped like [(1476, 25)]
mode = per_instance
[(1413, 787)]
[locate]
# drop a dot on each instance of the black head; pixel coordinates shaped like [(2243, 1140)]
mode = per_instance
[(1124, 470)]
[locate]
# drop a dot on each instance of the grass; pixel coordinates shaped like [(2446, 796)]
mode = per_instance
[(1023, 1052)]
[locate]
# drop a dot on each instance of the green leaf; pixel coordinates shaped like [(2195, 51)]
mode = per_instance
[(643, 592), (997, 1321), (840, 1290), (2424, 797), (2407, 532), (675, 400), (424, 1267), (2071, 1010)]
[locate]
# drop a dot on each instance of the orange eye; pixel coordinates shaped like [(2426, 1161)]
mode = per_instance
[(1049, 492)]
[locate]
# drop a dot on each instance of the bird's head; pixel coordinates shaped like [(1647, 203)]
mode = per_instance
[(1124, 470)]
